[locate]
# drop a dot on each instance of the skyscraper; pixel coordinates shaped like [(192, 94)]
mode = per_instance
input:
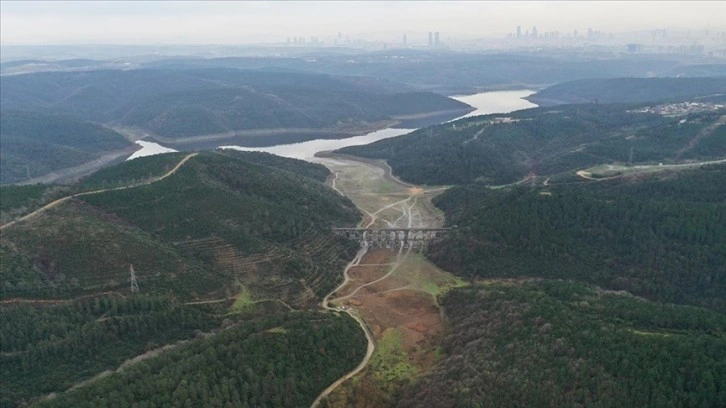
[(431, 39), (436, 39), (519, 32)]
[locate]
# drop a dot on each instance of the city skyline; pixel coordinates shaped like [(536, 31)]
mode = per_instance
[(28, 23)]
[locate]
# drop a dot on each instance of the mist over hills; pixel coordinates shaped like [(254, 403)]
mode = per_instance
[(443, 71), (451, 72), (176, 103), (34, 144), (631, 90)]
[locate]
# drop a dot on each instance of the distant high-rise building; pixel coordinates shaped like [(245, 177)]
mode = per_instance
[(431, 39), (635, 47), (519, 32), (436, 39), (534, 32), (405, 40)]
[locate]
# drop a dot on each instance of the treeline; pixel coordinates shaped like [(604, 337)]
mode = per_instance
[(560, 343), (501, 149), (282, 360), (663, 238)]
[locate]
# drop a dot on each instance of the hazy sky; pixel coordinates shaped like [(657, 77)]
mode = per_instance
[(162, 22)]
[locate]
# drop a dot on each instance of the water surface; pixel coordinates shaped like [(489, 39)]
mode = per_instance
[(148, 149), (485, 103)]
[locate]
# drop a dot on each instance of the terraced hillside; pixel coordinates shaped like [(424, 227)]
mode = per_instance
[(220, 221), (228, 250)]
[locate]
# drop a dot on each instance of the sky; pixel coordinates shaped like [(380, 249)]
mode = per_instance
[(227, 22)]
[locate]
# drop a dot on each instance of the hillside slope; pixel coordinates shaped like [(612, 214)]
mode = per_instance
[(228, 252), (34, 144), (661, 237), (628, 90), (501, 149), (182, 103), (220, 219), (557, 343)]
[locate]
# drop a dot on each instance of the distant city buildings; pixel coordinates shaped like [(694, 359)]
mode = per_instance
[(682, 108), (434, 39), (694, 41)]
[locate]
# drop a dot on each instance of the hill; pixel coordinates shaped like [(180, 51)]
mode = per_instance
[(661, 237), (629, 90), (184, 103), (221, 218), (532, 329), (450, 73), (559, 343), (228, 250), (35, 144), (501, 149)]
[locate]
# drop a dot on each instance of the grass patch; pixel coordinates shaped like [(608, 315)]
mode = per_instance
[(424, 276), (243, 300), (389, 363)]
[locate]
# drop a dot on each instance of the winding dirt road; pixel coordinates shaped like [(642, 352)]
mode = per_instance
[(369, 337), (407, 201), (66, 198)]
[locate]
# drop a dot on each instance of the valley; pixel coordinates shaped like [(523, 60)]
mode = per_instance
[(234, 255), (393, 292)]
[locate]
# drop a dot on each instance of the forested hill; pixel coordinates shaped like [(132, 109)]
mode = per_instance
[(662, 237), (228, 251), (565, 344), (449, 72), (176, 103), (628, 90), (221, 218), (500, 149), (34, 144), (609, 293)]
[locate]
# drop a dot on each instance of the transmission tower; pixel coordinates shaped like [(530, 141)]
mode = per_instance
[(134, 284), (630, 159)]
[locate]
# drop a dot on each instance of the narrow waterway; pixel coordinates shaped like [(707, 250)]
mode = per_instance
[(485, 103)]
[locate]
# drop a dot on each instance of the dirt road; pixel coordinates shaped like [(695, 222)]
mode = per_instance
[(66, 198), (385, 201)]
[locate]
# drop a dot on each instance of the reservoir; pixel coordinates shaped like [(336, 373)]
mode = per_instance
[(485, 103)]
